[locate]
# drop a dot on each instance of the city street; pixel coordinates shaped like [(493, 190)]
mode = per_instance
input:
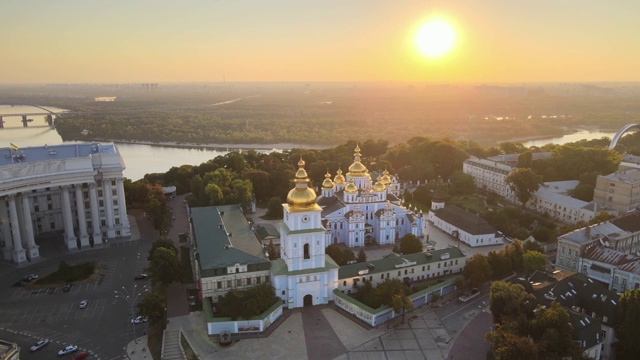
[(103, 328)]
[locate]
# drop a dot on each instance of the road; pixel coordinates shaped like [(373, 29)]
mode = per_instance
[(103, 328)]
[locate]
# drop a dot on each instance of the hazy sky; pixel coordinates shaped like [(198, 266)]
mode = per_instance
[(76, 41)]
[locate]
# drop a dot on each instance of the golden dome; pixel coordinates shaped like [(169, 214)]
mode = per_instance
[(386, 179), (357, 168), (379, 186), (327, 183), (339, 179), (351, 187), (301, 195)]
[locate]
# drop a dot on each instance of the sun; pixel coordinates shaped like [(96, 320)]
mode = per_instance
[(435, 38)]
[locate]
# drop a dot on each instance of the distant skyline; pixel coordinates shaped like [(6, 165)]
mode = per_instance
[(497, 41)]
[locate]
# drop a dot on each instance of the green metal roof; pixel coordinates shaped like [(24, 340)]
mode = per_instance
[(389, 262), (224, 237), (266, 230), (279, 267)]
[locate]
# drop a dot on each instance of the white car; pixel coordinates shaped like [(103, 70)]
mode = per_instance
[(67, 350), (83, 304), (39, 345), (139, 319)]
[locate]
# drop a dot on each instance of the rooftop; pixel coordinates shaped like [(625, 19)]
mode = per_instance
[(32, 154), (557, 192), (609, 256), (465, 220), (600, 232), (224, 237), (395, 261), (630, 176)]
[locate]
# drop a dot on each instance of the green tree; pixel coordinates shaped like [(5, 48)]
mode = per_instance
[(272, 251), (533, 260), (410, 244), (477, 270), (500, 264), (628, 325), (214, 193), (506, 301), (162, 242), (383, 293), (583, 192), (165, 266), (532, 246), (274, 208), (508, 346), (552, 332), (462, 184), (362, 256), (152, 305), (400, 302), (335, 252), (242, 192), (523, 182), (525, 160), (543, 234)]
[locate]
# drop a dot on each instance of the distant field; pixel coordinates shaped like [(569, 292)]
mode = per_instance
[(321, 115)]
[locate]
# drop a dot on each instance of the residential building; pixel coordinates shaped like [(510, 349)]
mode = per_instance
[(489, 175), (554, 198), (619, 190), (601, 263), (72, 191), (412, 267)]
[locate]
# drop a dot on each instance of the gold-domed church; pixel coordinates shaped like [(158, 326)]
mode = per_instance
[(358, 211)]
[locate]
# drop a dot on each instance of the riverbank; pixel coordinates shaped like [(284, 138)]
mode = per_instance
[(220, 147)]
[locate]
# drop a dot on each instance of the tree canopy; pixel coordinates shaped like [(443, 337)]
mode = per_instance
[(523, 182)]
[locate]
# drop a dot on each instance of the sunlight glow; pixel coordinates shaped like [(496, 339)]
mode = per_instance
[(435, 38)]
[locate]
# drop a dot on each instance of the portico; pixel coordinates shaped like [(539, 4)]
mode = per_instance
[(77, 189)]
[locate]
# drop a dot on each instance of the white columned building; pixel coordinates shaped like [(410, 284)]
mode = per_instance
[(73, 192)]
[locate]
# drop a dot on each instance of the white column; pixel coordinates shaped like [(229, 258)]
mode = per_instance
[(32, 248), (69, 236), (108, 205), (82, 219), (18, 252), (95, 215), (5, 230), (122, 205)]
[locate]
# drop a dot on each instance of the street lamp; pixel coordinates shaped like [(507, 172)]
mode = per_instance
[(131, 299)]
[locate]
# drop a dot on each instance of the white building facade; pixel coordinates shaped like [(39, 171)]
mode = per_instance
[(76, 189), (356, 211), (304, 275)]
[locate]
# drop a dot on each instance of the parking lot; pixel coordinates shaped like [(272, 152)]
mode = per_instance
[(103, 328)]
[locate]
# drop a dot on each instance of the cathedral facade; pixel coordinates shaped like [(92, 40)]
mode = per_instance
[(357, 211)]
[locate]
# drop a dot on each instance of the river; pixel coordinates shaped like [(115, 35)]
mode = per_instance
[(144, 159)]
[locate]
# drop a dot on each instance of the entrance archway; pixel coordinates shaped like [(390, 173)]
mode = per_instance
[(307, 300)]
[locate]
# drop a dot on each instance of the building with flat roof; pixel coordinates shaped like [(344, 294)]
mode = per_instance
[(554, 198), (619, 190), (489, 175), (74, 189)]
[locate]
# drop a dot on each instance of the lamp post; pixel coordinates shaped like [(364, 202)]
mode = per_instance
[(131, 299)]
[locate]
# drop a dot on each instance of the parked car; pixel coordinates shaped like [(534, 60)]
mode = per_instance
[(39, 345), (80, 356), (139, 319), (67, 288), (20, 283), (140, 277), (32, 277), (67, 350), (83, 304)]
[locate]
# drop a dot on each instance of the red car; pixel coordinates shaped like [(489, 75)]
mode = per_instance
[(80, 356)]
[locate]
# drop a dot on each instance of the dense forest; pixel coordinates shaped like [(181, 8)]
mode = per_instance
[(312, 114)]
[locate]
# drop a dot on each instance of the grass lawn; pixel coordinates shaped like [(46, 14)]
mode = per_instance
[(82, 272)]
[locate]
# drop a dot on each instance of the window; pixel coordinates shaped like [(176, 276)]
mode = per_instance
[(229, 283), (239, 282), (219, 284), (49, 197), (248, 281), (101, 203), (49, 206), (282, 292), (344, 283), (36, 208), (306, 251), (259, 280)]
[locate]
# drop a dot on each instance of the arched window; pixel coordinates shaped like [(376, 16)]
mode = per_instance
[(306, 251)]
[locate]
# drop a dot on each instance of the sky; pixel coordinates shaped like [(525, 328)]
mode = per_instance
[(497, 41)]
